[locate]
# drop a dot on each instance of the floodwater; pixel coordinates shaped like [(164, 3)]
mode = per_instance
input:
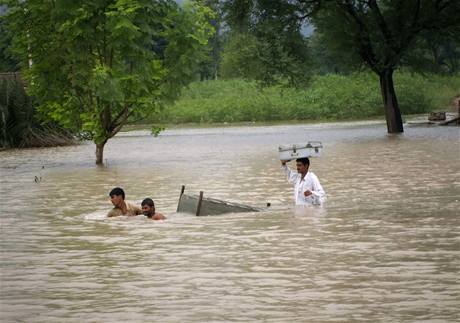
[(385, 247)]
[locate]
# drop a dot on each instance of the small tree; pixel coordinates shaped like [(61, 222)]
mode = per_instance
[(96, 63)]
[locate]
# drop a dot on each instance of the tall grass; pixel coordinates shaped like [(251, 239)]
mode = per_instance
[(329, 97)]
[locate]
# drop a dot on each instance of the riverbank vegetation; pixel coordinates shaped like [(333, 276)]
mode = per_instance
[(97, 65), (94, 65), (20, 125), (329, 97)]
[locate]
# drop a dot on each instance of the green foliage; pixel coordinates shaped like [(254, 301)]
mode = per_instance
[(328, 97), (381, 33), (187, 45), (263, 45), (438, 90), (19, 125), (240, 57), (327, 57), (7, 62), (209, 64), (16, 112), (155, 131), (267, 59), (98, 63), (238, 14), (435, 52)]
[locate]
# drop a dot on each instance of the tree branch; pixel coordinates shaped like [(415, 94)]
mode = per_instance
[(119, 121), (380, 20), (364, 43), (311, 7)]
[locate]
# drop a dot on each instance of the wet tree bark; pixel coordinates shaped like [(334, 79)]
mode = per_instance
[(390, 102), (111, 127), (100, 153)]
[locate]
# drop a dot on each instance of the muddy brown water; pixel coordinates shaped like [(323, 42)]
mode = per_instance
[(384, 248)]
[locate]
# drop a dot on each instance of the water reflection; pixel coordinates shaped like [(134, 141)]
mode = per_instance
[(385, 247)]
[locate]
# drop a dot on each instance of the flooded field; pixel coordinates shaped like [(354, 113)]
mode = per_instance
[(384, 248)]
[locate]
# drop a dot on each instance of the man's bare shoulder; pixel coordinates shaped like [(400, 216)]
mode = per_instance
[(158, 216)]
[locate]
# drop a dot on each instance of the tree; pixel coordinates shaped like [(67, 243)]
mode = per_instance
[(209, 66), (7, 63), (327, 57), (435, 52), (96, 63), (381, 33), (240, 57), (237, 14), (262, 45), (285, 52), (19, 125)]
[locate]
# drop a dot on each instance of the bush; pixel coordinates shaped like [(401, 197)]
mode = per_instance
[(19, 126), (327, 97)]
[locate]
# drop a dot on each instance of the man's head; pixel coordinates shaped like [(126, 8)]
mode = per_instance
[(302, 165), (148, 207), (117, 196)]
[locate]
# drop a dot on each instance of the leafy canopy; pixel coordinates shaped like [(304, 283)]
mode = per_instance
[(93, 64)]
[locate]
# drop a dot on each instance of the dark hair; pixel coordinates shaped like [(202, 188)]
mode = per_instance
[(148, 201), (305, 161), (117, 191)]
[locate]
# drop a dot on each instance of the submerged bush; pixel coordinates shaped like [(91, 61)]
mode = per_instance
[(19, 125), (328, 97)]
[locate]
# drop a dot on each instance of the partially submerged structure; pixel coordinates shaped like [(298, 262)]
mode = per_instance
[(437, 119), (441, 118), (201, 206)]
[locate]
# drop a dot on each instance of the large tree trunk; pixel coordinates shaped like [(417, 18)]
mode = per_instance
[(390, 102), (100, 153)]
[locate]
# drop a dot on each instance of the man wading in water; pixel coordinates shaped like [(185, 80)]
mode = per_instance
[(120, 206), (148, 208), (308, 190)]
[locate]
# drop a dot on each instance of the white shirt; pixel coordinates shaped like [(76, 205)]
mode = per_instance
[(309, 182)]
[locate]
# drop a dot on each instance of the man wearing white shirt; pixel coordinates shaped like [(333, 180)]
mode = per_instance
[(307, 188)]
